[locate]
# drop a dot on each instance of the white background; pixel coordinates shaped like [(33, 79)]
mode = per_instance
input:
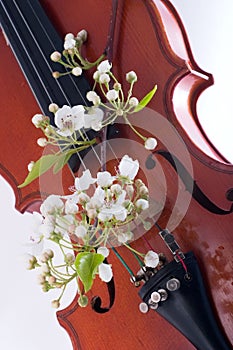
[(27, 322)]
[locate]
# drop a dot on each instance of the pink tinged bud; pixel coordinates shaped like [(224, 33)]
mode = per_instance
[(77, 71), (150, 143), (52, 280), (55, 304), (82, 35), (53, 107), (56, 75), (55, 56), (41, 279)]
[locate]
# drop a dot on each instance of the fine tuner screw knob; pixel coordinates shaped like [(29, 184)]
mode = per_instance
[(173, 284)]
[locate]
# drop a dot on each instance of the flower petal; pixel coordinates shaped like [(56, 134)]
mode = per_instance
[(105, 272)]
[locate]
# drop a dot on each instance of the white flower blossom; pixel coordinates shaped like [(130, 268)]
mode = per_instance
[(80, 231), (51, 205), (70, 207), (124, 237), (104, 66), (105, 272), (83, 183), (104, 179), (128, 167), (69, 119), (93, 118), (150, 143), (63, 223), (151, 259)]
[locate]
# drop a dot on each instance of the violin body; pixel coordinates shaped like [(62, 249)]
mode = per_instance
[(151, 40)]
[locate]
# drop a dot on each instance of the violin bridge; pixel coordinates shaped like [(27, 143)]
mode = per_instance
[(171, 243)]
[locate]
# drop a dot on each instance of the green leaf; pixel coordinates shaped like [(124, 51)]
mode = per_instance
[(86, 264), (62, 159), (144, 102), (40, 167)]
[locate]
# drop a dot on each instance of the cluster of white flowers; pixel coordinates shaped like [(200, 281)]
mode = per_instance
[(97, 213), (101, 209)]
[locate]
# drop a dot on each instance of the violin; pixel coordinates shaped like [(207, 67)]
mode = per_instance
[(189, 180)]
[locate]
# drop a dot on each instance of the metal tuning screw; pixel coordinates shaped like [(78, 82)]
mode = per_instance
[(163, 294), (152, 304), (143, 308), (173, 284), (155, 297)]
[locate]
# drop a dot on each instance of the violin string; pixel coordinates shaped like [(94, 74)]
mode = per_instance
[(74, 84), (47, 62)]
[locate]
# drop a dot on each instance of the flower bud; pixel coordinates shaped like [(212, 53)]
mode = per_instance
[(55, 304), (96, 76), (77, 71), (55, 56), (133, 101), (104, 66), (83, 300), (42, 142), (69, 36), (143, 190), (53, 107), (150, 143), (69, 258), (104, 78), (82, 35), (112, 95), (52, 280), (41, 279), (30, 166), (37, 119), (142, 204), (56, 75), (131, 77), (117, 86)]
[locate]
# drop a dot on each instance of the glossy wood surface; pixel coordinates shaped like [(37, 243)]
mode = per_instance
[(150, 40)]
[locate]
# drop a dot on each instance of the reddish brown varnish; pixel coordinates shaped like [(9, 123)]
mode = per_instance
[(150, 40)]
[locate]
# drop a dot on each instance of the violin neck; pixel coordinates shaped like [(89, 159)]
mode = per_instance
[(32, 39)]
